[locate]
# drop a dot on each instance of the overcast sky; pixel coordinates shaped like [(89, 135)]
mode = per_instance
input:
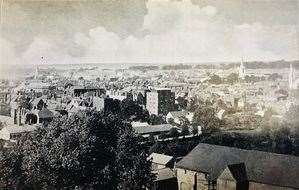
[(153, 31)]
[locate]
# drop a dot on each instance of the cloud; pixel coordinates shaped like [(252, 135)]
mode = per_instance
[(260, 42), (171, 32), (7, 53), (210, 10), (57, 21), (179, 31), (43, 51)]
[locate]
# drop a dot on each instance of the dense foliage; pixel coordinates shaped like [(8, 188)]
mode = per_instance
[(89, 150), (206, 118)]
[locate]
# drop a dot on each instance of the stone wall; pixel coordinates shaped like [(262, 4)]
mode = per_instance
[(188, 179)]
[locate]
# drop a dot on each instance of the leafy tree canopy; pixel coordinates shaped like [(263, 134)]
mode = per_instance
[(89, 150)]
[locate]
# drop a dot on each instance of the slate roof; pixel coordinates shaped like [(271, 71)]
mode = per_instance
[(238, 172), (153, 129), (160, 158), (262, 167)]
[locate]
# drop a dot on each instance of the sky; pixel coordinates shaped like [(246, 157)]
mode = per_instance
[(147, 32)]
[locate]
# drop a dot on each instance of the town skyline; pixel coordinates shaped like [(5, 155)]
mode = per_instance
[(149, 94)]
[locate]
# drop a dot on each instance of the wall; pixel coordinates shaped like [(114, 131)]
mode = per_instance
[(152, 102), (186, 180), (226, 184), (4, 134), (98, 103)]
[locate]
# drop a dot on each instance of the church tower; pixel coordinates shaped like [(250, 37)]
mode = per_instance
[(291, 77), (242, 72)]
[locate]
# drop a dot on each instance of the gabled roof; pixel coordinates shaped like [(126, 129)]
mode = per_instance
[(262, 167), (153, 129)]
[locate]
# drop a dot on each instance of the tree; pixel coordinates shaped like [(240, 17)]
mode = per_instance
[(84, 151), (232, 78), (185, 130), (296, 142), (1, 125), (275, 77), (281, 140), (182, 103), (184, 122), (141, 99), (155, 119), (205, 117), (25, 102), (195, 130), (292, 116), (194, 103), (10, 169), (134, 171), (130, 109), (173, 132), (171, 121), (215, 79)]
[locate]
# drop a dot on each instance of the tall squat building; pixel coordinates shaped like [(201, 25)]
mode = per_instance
[(160, 101)]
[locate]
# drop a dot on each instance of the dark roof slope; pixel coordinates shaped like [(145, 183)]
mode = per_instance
[(261, 167), (45, 113)]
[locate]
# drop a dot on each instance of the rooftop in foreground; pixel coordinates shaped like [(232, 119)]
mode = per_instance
[(262, 167)]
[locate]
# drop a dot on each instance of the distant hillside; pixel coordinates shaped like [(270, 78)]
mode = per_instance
[(273, 65), (144, 68), (176, 67), (252, 65)]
